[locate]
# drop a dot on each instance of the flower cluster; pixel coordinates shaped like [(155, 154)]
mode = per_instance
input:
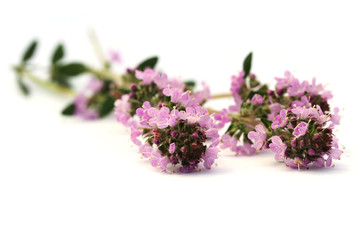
[(178, 137), (300, 136), (159, 90)]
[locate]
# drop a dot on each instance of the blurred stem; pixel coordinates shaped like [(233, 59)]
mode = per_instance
[(107, 74), (248, 120), (98, 50), (221, 95), (46, 84)]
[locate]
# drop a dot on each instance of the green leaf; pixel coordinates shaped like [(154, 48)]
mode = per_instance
[(266, 122), (247, 64), (190, 83), (148, 63), (106, 106), (69, 110), (24, 89), (58, 54), (29, 52), (72, 69)]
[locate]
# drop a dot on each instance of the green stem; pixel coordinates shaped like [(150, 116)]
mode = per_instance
[(221, 95), (46, 84), (106, 74)]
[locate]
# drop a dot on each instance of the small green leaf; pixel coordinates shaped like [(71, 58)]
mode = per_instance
[(190, 83), (58, 54), (247, 64), (148, 63), (29, 52), (24, 89), (106, 106), (266, 122), (69, 110), (72, 69)]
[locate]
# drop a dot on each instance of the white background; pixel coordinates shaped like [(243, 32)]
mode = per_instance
[(64, 178)]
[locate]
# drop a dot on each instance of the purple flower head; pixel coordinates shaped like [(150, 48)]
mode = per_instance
[(300, 129), (278, 147), (257, 99), (280, 120), (258, 136)]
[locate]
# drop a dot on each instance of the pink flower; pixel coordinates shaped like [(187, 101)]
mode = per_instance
[(314, 89), (304, 102), (301, 112), (280, 120), (236, 82), (228, 142), (257, 99), (122, 108), (135, 133), (246, 149), (294, 163), (278, 147), (94, 85), (210, 156), (147, 76), (81, 108), (335, 117), (172, 148), (300, 129), (297, 89), (203, 95), (284, 82), (222, 118), (274, 109), (259, 136), (114, 56)]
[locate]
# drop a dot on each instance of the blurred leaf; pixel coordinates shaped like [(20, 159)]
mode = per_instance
[(72, 69), (247, 64), (69, 110), (190, 83), (29, 52), (24, 89), (106, 106), (266, 122), (58, 54), (148, 63), (124, 90)]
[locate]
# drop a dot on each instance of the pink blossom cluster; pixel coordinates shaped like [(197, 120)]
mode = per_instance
[(153, 118)]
